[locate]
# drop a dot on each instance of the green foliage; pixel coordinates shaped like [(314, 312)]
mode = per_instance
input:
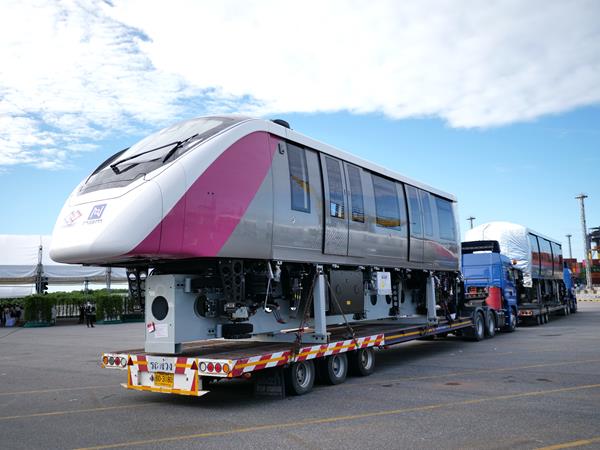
[(11, 302), (108, 306), (38, 308)]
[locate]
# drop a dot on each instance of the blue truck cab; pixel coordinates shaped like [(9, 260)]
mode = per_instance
[(491, 280)]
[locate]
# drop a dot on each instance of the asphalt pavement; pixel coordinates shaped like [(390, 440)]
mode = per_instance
[(538, 387)]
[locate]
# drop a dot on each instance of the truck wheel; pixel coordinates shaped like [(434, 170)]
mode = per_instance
[(362, 362), (546, 317), (334, 369), (477, 332), (300, 377), (490, 324), (512, 322), (539, 320), (573, 307)]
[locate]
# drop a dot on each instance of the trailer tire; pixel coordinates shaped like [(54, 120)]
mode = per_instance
[(362, 362), (573, 307), (300, 377), (334, 369), (546, 317), (490, 324), (539, 320)]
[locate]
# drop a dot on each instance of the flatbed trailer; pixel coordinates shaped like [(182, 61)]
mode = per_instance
[(200, 362), (539, 313)]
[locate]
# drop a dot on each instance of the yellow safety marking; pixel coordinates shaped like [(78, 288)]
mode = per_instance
[(161, 390), (73, 411), (334, 419), (579, 443), (472, 372), (314, 352), (43, 391), (429, 330), (256, 363)]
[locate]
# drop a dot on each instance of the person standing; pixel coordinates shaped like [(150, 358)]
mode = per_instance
[(89, 315)]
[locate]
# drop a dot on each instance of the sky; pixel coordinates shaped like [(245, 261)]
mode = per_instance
[(496, 102)]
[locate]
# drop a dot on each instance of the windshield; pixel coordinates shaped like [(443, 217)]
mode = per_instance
[(153, 151)]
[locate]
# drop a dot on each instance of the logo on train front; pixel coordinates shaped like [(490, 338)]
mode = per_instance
[(97, 212)]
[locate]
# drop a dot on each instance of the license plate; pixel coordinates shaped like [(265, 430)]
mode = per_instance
[(160, 364), (164, 379)]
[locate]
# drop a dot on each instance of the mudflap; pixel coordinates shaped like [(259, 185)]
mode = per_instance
[(269, 383)]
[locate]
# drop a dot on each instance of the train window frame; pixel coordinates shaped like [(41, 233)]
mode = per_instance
[(443, 208), (335, 184), (380, 219), (299, 182), (357, 202)]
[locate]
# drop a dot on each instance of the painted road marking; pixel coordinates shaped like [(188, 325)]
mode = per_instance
[(327, 420), (572, 444), (73, 411), (469, 372), (44, 391)]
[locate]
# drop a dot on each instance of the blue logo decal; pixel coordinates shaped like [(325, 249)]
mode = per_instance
[(97, 212)]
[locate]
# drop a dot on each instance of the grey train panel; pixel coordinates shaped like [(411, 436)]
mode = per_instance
[(415, 252)]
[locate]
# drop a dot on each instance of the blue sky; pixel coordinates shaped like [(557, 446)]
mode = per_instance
[(479, 100)]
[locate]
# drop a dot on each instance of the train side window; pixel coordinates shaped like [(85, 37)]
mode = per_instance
[(356, 194), (414, 207), (445, 219), (299, 183), (336, 188), (427, 216), (386, 203)]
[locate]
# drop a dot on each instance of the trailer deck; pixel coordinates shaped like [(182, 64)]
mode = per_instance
[(209, 359)]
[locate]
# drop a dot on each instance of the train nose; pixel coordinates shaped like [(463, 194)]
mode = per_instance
[(104, 230)]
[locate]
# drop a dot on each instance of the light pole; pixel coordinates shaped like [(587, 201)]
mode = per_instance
[(570, 250), (471, 219), (586, 243)]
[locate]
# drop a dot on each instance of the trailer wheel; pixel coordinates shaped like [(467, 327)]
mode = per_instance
[(573, 307), (490, 324), (334, 369), (512, 321), (546, 317), (539, 320), (362, 362), (300, 377)]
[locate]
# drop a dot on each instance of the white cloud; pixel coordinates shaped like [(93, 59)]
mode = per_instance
[(73, 71)]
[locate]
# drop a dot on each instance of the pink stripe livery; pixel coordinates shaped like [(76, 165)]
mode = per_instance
[(203, 219)]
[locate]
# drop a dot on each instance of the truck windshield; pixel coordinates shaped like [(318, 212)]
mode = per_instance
[(153, 151)]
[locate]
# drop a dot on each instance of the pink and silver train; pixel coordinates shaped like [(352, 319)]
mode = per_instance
[(249, 207)]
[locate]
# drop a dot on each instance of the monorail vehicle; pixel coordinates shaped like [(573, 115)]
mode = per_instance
[(235, 214)]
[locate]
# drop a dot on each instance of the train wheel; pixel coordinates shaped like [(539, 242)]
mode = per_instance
[(362, 362), (334, 368), (490, 325), (300, 377)]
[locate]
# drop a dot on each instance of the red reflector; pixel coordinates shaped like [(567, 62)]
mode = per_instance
[(217, 367), (130, 362), (194, 366), (210, 367), (118, 361)]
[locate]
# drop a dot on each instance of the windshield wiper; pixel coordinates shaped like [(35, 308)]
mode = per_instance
[(115, 166), (177, 147)]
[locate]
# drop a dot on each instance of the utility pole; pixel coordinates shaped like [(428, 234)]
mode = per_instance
[(570, 250), (471, 219), (586, 243)]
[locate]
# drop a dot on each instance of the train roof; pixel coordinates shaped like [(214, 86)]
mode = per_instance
[(300, 138), (496, 226)]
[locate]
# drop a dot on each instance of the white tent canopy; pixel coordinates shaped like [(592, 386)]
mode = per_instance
[(20, 256)]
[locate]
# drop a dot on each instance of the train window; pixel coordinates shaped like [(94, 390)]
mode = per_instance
[(447, 226), (356, 194), (386, 203), (299, 183), (336, 188), (416, 229), (427, 216)]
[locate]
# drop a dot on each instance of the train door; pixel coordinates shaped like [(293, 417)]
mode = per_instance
[(358, 226), (415, 219), (335, 239)]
